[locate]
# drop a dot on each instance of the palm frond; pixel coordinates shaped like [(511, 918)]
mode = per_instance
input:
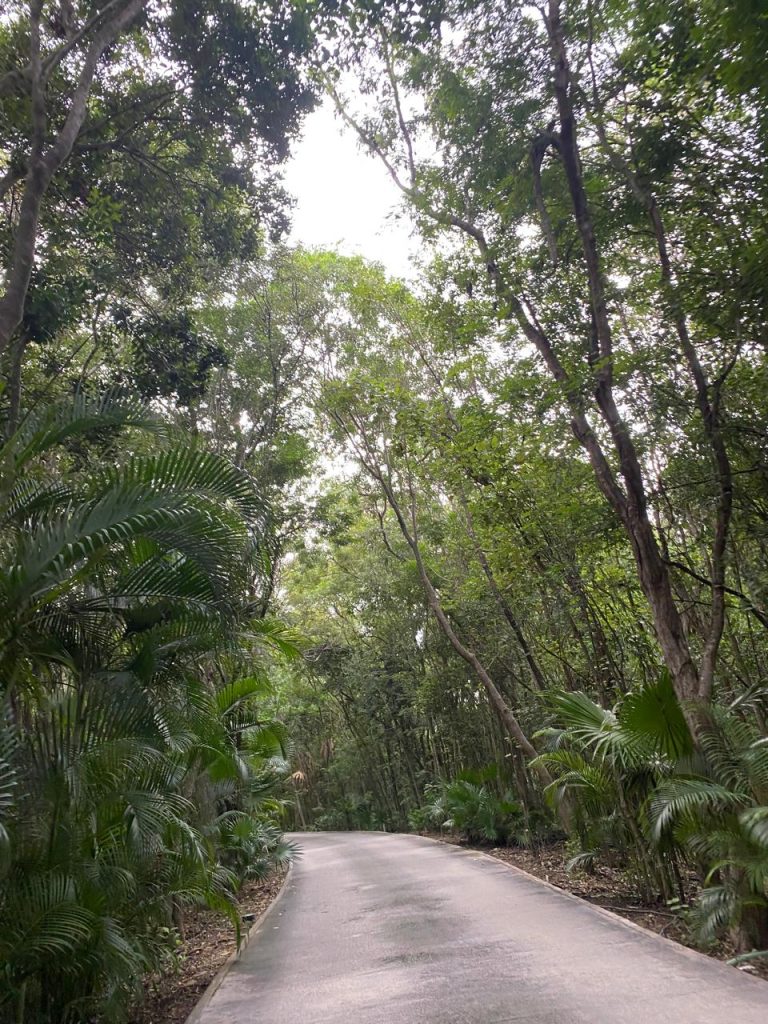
[(654, 713), (80, 416), (680, 797)]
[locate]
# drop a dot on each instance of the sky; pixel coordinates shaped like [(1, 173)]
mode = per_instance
[(345, 198)]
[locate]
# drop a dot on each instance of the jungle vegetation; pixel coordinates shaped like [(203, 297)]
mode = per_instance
[(287, 541)]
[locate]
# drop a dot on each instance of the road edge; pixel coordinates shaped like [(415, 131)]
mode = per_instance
[(218, 978), (603, 911)]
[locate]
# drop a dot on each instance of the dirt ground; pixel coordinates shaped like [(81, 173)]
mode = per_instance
[(209, 940)]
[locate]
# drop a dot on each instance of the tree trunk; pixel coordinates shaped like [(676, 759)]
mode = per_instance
[(533, 666), (631, 504), (499, 705), (43, 164)]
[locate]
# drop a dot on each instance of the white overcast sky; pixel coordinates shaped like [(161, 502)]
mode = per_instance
[(344, 197)]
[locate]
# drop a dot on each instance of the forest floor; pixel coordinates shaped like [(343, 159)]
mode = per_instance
[(209, 939), (610, 888)]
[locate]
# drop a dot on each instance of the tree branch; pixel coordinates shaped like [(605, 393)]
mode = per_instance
[(42, 166), (20, 79)]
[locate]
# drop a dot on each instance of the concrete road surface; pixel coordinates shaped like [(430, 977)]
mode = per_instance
[(393, 929)]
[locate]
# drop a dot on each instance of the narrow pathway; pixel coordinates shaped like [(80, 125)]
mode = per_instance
[(391, 929)]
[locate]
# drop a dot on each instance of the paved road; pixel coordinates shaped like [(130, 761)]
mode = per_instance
[(390, 929)]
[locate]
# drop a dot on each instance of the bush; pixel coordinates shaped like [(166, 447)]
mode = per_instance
[(472, 809), (353, 814)]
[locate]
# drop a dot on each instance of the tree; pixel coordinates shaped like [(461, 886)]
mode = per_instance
[(553, 223), (138, 158)]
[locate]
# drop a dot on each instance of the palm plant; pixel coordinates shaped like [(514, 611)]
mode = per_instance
[(636, 783), (606, 763), (469, 806), (716, 807), (90, 556), (128, 765)]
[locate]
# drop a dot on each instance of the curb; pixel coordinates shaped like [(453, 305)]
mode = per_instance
[(223, 971)]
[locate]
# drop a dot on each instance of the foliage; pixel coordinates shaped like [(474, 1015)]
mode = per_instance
[(715, 808), (472, 809), (130, 773), (607, 764), (518, 509), (635, 781)]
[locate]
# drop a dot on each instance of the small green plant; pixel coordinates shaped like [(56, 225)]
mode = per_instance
[(471, 808), (252, 846)]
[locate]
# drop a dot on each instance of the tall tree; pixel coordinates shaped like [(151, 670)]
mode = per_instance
[(137, 155), (591, 232)]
